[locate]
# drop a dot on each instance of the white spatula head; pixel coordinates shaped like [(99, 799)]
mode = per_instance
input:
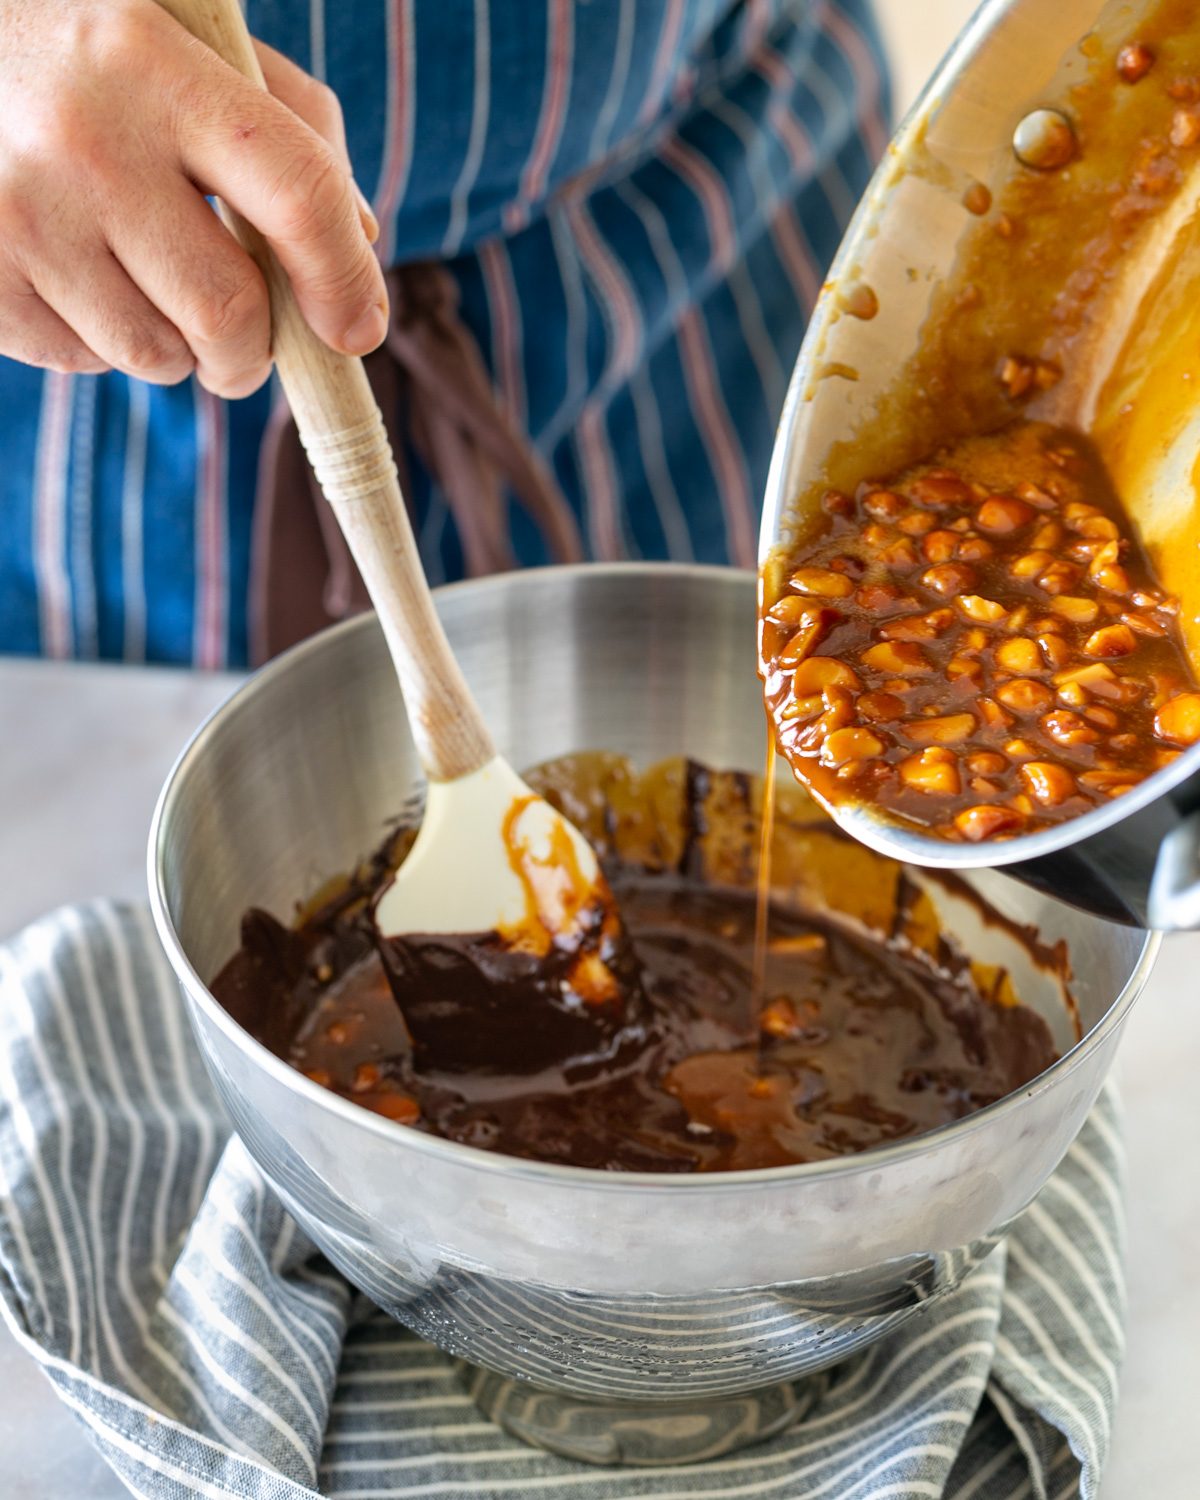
[(492, 855), (500, 938)]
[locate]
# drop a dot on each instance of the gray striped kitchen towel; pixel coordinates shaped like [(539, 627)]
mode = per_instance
[(210, 1350)]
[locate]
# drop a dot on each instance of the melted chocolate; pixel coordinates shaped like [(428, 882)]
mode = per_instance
[(862, 1040), (474, 1005)]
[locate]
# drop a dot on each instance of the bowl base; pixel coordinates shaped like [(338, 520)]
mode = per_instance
[(628, 1432)]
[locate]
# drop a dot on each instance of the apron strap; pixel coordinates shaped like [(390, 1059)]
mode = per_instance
[(436, 396)]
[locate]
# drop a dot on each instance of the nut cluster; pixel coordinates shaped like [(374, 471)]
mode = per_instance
[(980, 658)]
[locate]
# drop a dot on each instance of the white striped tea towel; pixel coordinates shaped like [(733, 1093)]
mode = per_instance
[(211, 1351)]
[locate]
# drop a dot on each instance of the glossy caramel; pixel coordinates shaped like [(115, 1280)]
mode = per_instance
[(873, 1028)]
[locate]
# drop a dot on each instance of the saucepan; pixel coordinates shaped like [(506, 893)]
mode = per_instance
[(975, 243), (599, 1306)]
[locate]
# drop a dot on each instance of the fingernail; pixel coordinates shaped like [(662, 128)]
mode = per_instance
[(366, 332), (366, 213)]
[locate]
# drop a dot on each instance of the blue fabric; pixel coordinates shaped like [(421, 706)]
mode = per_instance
[(638, 200)]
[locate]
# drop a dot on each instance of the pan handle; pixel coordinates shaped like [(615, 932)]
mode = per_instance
[(1174, 904)]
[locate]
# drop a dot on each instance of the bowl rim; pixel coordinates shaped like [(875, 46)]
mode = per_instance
[(494, 1163)]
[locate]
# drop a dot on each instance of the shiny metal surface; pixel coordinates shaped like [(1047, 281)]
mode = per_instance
[(639, 1287), (905, 242)]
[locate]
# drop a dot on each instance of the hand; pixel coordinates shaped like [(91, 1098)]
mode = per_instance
[(115, 124)]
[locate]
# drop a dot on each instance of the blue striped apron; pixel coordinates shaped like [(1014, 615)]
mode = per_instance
[(638, 199)]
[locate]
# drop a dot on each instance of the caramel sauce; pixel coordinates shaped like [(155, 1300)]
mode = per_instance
[(762, 882), (558, 896), (1072, 302), (977, 646), (874, 1028)]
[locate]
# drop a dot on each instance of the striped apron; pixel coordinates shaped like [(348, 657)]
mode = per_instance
[(637, 200)]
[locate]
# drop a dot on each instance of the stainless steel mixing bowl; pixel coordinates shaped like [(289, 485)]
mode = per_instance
[(600, 1303)]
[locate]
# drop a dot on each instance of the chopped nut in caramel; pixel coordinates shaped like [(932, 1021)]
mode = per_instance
[(1078, 610), (1178, 720), (821, 672), (822, 583), (1025, 696), (993, 715), (366, 1076), (918, 627), (1047, 782), (900, 658), (1019, 655), (964, 669), (982, 611), (1050, 653), (1111, 783), (1067, 728), (952, 729), (973, 548), (1054, 649), (793, 611), (916, 523), (940, 546), (986, 763), (1001, 514), (881, 708), (900, 556), (845, 745), (987, 821), (1031, 564), (398, 1107), (1089, 522), (938, 489), (1185, 128), (933, 770), (949, 578), (1058, 578), (778, 1018), (1110, 641), (876, 596), (882, 505)]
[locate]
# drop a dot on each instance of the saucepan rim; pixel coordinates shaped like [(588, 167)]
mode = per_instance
[(492, 1163)]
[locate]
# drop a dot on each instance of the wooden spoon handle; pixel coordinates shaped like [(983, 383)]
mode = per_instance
[(343, 434)]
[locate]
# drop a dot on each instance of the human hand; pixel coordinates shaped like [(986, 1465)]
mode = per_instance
[(115, 124)]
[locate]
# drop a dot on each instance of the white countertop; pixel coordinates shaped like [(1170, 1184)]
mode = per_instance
[(82, 755)]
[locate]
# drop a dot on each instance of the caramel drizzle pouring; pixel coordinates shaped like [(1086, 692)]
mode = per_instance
[(762, 885)]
